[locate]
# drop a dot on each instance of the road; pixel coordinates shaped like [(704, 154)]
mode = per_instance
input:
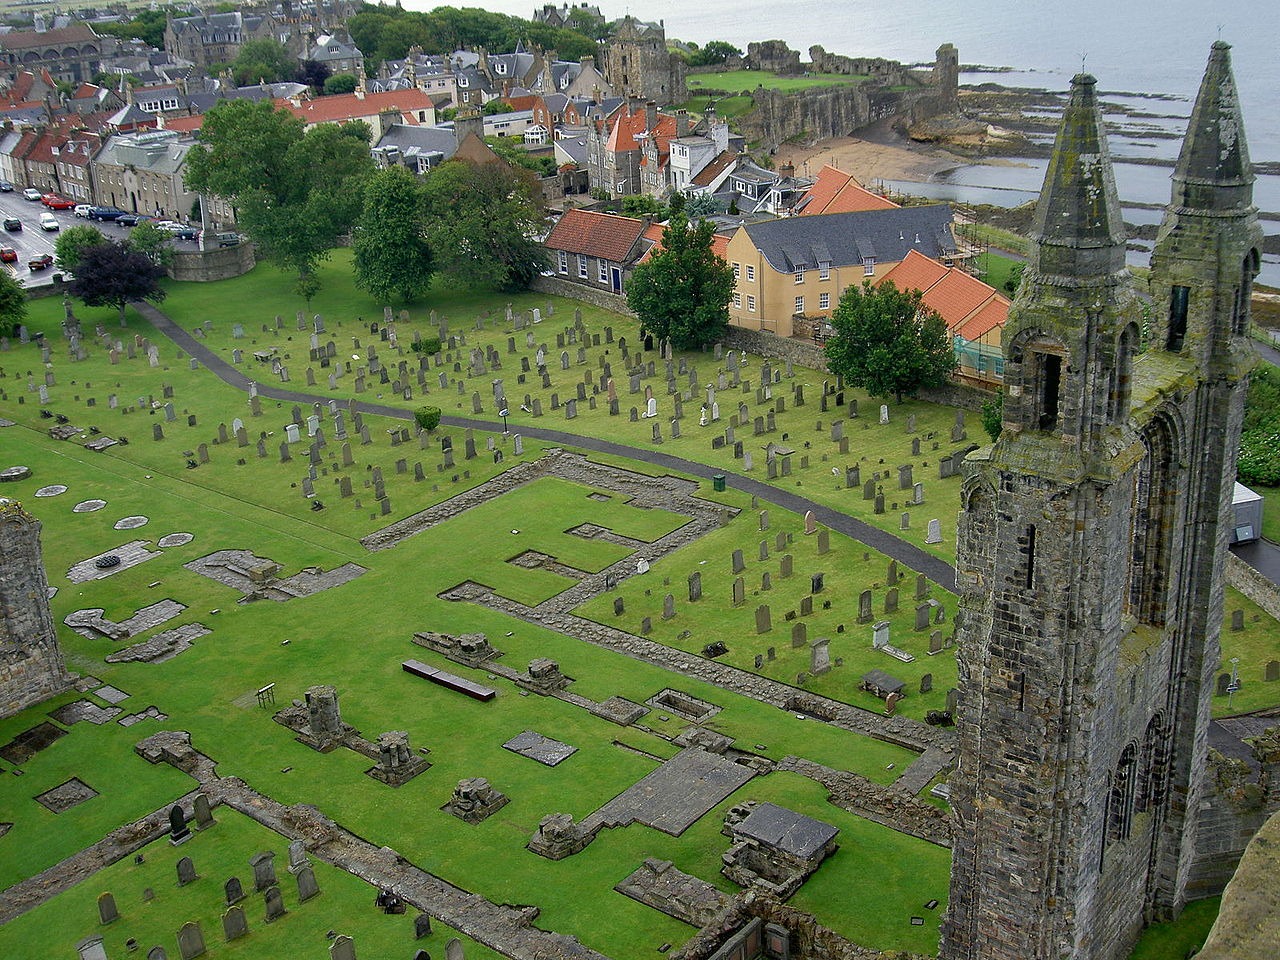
[(33, 241)]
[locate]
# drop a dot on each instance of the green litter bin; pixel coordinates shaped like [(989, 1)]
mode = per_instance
[(717, 482)]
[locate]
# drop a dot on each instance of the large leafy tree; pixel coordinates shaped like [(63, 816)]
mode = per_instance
[(295, 191), (147, 26), (152, 242), (887, 341), (483, 223), (682, 291), (389, 245), (263, 59), (111, 275), (73, 241), (13, 303)]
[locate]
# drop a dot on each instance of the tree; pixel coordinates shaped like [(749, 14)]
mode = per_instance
[(314, 74), (263, 59), (483, 223), (887, 342), (643, 205), (993, 416), (295, 192), (716, 51), (340, 83), (147, 26), (13, 303), (682, 291), (152, 242), (389, 244), (72, 243), (111, 275)]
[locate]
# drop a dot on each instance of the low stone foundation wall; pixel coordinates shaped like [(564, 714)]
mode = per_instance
[(576, 291), (804, 352)]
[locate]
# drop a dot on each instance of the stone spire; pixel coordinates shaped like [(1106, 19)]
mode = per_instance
[(1078, 230), (1213, 169)]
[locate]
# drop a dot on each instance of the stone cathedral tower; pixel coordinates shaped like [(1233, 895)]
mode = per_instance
[(31, 665), (1091, 553)]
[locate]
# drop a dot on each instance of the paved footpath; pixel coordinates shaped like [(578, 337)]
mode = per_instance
[(939, 571)]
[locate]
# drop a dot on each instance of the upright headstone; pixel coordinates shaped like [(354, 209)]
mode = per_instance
[(190, 941), (179, 832), (307, 886), (264, 870), (234, 924), (107, 911), (273, 901), (186, 872)]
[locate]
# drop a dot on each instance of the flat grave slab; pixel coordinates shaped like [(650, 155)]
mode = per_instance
[(88, 506), (450, 680), (175, 539), (66, 795), (537, 747), (30, 742), (677, 794), (791, 832), (151, 713), (131, 554), (52, 490), (162, 646), (111, 694), (131, 523)]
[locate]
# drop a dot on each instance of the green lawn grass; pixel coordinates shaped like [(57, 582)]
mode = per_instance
[(729, 107), (355, 637), (996, 270), (736, 81), (1180, 938)]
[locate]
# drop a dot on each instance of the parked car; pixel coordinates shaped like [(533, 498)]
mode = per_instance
[(131, 219), (40, 262), (6, 186), (32, 194), (82, 209), (55, 202), (49, 222), (226, 239), (8, 255), (13, 224), (185, 233), (105, 213)]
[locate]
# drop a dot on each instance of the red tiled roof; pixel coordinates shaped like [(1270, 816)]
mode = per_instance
[(596, 234), (627, 125), (185, 124), (85, 91), (348, 106), (523, 102), (718, 165), (838, 192), (653, 236), (969, 307)]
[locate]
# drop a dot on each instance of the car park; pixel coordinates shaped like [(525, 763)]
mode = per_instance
[(40, 262), (49, 222), (55, 202), (105, 213), (13, 224), (32, 194), (82, 209), (8, 255)]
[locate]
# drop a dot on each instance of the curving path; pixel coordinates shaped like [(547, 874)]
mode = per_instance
[(908, 554)]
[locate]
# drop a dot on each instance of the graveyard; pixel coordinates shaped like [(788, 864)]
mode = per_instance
[(523, 672)]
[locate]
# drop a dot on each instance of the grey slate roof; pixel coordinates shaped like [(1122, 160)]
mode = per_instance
[(414, 141), (791, 832), (841, 239)]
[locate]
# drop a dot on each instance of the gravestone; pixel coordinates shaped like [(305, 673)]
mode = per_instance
[(799, 634), (935, 532), (884, 413), (298, 855), (739, 592), (785, 566), (453, 950), (764, 519), (820, 657), (343, 948), (190, 941), (107, 911), (1272, 670), (307, 886), (880, 634), (891, 600), (234, 924), (926, 683), (764, 622), (233, 890), (421, 926), (273, 901), (695, 587), (1237, 620), (738, 564), (923, 616), (186, 872), (864, 607), (264, 870), (824, 541), (815, 583), (668, 607), (810, 524), (179, 832)]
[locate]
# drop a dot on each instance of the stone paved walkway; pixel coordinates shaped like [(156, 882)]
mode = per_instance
[(939, 571)]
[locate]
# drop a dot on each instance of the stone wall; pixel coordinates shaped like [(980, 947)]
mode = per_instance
[(1253, 585), (217, 263), (1233, 807), (821, 113), (773, 55), (576, 291), (803, 352), (889, 72)]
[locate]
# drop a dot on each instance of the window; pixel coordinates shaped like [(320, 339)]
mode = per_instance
[(1051, 376), (824, 271), (737, 269), (564, 262), (604, 270), (800, 275), (824, 301), (737, 301), (582, 266), (751, 272), (868, 266), (799, 305), (751, 303), (1179, 298)]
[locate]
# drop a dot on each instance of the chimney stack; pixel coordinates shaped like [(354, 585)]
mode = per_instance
[(651, 116)]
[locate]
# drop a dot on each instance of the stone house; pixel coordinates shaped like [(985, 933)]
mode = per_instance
[(616, 147), (597, 250), (142, 172), (72, 53), (337, 53), (797, 267), (73, 164), (217, 37)]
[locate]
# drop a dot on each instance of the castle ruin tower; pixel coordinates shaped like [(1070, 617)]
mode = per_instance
[(1089, 561), (31, 664), (946, 76)]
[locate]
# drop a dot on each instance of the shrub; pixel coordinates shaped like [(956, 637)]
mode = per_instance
[(427, 345), (428, 418), (993, 415)]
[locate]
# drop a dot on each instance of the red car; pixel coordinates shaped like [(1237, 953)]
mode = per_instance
[(8, 255), (55, 202), (40, 262)]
